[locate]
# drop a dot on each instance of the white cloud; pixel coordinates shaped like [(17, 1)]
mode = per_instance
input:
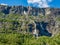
[(40, 3), (33, 1), (3, 4), (50, 0)]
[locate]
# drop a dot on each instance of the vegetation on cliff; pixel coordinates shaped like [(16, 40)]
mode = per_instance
[(16, 29)]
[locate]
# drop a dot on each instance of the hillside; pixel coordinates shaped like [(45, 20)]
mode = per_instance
[(21, 25)]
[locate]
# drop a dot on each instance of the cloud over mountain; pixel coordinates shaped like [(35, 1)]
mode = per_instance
[(3, 4), (39, 3)]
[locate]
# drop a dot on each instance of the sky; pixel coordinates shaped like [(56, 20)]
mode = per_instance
[(34, 3)]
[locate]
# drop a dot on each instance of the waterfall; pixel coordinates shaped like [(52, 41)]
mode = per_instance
[(35, 31)]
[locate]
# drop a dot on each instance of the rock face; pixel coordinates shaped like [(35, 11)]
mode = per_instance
[(29, 10), (46, 27)]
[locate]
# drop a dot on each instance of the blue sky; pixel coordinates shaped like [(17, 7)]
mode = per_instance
[(53, 3)]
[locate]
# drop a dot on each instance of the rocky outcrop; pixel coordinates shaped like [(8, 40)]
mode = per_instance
[(29, 10)]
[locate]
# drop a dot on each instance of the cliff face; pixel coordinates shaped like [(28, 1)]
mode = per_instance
[(29, 10), (47, 26)]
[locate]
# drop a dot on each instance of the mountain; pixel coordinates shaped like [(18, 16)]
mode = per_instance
[(44, 21), (29, 10)]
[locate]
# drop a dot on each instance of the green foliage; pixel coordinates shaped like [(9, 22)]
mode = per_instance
[(14, 30), (28, 39)]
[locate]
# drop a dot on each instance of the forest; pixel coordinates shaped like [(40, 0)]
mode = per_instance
[(16, 29)]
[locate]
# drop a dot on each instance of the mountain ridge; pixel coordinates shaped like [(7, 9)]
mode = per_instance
[(32, 10)]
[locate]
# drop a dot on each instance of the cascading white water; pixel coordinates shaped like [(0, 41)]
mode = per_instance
[(35, 31)]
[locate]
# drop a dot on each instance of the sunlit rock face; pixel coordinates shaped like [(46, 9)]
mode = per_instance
[(47, 11)]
